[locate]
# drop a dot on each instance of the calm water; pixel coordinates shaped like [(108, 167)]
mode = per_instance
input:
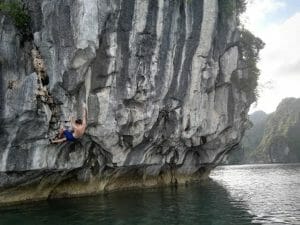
[(271, 193), (256, 194)]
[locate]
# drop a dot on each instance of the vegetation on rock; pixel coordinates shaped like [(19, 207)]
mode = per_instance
[(250, 47), (16, 11), (273, 138), (229, 7), (251, 139)]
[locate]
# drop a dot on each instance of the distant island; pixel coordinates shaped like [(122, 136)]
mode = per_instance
[(273, 138)]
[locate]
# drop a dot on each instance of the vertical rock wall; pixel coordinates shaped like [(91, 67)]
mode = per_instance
[(156, 76)]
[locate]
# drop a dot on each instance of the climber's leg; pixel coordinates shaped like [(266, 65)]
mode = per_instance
[(56, 141), (61, 132)]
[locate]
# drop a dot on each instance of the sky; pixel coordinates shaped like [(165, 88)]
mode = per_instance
[(277, 23)]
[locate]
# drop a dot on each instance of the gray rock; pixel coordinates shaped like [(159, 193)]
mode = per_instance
[(156, 79)]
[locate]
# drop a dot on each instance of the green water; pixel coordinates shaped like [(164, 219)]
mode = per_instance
[(229, 198)]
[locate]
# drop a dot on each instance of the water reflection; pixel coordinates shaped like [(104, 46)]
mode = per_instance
[(270, 192), (206, 203)]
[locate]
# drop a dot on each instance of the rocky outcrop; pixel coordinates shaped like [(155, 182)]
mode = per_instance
[(250, 141), (274, 138), (280, 142), (157, 77)]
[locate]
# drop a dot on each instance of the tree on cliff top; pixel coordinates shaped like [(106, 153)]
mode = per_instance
[(250, 47), (231, 6)]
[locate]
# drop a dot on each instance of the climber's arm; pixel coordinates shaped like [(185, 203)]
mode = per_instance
[(72, 120)]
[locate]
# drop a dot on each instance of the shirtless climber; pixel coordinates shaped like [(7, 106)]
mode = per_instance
[(78, 129)]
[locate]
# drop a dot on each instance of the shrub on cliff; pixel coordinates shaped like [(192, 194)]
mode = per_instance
[(249, 47), (17, 12), (231, 6)]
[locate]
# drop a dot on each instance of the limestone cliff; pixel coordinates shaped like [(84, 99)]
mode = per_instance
[(162, 81), (246, 151), (273, 138), (280, 140)]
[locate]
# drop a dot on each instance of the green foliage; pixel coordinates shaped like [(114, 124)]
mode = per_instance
[(282, 128), (249, 47), (228, 7), (246, 76), (241, 6), (293, 138), (16, 11), (252, 138)]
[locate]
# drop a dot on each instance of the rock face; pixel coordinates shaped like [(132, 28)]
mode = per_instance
[(274, 138), (250, 141), (157, 80), (280, 141)]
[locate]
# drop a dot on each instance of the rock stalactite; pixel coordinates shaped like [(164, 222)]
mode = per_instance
[(156, 77)]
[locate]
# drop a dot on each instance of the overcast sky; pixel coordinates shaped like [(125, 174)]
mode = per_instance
[(277, 23)]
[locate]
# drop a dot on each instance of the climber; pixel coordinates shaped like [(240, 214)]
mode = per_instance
[(78, 129)]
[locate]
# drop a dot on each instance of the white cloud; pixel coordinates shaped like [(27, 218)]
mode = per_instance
[(280, 59), (282, 88), (289, 69), (255, 18), (281, 54)]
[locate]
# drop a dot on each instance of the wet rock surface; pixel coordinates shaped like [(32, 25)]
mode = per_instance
[(156, 77)]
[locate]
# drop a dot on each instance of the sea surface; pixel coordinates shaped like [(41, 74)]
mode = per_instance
[(248, 194)]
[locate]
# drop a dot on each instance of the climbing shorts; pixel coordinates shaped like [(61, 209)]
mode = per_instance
[(69, 135)]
